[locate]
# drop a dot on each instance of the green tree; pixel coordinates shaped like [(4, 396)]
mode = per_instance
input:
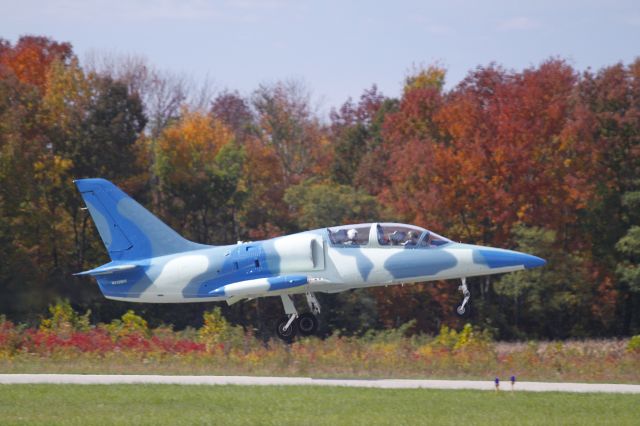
[(550, 302), (349, 149), (95, 123), (318, 204), (628, 267)]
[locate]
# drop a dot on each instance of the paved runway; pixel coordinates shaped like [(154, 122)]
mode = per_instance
[(263, 381)]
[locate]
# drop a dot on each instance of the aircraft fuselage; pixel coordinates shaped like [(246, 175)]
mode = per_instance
[(299, 263)]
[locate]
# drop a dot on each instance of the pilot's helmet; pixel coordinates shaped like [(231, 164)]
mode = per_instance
[(412, 234), (352, 234)]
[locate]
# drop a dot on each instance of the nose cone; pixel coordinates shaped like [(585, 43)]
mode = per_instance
[(533, 261), (497, 258)]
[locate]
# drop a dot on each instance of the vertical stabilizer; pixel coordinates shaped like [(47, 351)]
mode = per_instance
[(128, 230)]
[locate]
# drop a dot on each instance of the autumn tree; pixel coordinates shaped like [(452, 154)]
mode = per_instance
[(163, 93), (407, 157), (607, 118), (32, 56), (356, 133), (489, 155), (199, 166), (23, 245), (94, 123), (264, 214), (235, 112), (287, 125)]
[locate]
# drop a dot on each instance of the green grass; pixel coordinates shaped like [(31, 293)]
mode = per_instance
[(277, 405)]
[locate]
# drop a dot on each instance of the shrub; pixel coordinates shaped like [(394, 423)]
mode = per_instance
[(391, 335), (64, 320), (128, 325), (634, 344), (9, 337), (468, 336), (217, 332)]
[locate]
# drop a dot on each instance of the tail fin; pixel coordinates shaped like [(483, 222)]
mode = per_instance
[(128, 230)]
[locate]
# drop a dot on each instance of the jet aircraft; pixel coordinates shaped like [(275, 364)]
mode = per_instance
[(151, 263)]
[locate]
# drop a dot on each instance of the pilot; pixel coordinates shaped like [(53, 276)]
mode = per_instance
[(412, 239), (352, 236), (396, 237)]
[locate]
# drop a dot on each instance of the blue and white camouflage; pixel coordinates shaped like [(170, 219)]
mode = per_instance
[(150, 262)]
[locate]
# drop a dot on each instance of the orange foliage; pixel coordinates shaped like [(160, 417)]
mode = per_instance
[(191, 144), (31, 57), (264, 182)]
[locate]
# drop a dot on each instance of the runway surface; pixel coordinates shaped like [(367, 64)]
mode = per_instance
[(94, 379)]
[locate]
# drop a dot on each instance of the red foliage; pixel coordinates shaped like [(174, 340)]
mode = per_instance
[(96, 340), (488, 155)]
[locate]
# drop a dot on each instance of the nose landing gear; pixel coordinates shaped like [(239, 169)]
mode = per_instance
[(465, 292), (287, 328)]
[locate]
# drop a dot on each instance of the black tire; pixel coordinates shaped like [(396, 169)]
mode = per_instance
[(288, 335), (307, 324)]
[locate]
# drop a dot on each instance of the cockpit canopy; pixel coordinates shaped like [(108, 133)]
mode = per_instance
[(385, 235)]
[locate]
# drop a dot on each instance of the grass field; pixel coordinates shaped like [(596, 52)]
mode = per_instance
[(277, 405)]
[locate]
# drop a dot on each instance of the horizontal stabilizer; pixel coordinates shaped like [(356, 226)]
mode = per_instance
[(108, 269)]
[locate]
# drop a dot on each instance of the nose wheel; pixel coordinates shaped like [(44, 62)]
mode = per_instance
[(287, 328), (465, 292)]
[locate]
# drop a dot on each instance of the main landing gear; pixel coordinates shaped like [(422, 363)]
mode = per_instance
[(306, 324), (465, 292)]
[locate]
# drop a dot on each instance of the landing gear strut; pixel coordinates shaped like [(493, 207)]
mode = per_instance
[(287, 327), (465, 292), (306, 323)]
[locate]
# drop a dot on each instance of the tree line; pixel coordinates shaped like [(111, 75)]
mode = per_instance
[(544, 160)]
